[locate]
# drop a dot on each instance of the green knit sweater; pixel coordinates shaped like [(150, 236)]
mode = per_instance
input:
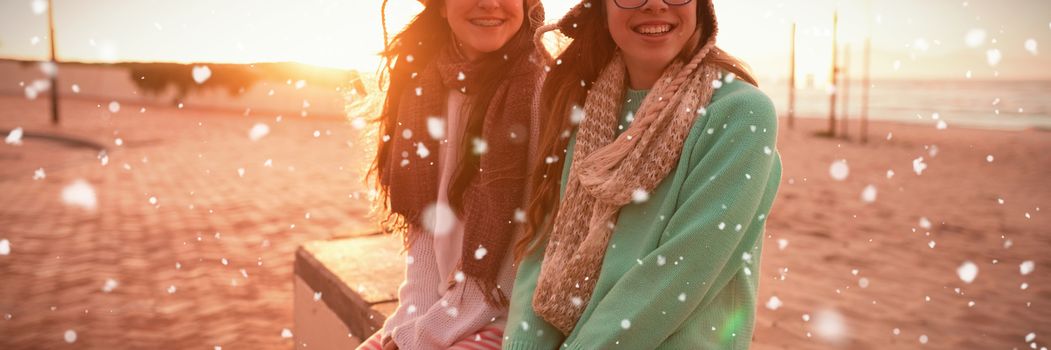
[(681, 269)]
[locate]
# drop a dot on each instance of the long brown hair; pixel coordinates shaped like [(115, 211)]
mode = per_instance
[(566, 87), (406, 55)]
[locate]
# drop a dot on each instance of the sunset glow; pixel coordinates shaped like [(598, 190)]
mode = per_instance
[(907, 41)]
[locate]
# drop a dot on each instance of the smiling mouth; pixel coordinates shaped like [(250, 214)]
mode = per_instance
[(653, 29), (487, 22)]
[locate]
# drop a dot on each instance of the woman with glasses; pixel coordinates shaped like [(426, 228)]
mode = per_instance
[(656, 172)]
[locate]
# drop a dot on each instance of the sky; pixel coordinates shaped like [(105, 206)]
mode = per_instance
[(928, 39)]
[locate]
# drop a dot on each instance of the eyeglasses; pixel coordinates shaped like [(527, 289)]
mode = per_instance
[(634, 4)]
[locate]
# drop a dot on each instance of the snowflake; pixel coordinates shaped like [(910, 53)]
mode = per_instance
[(14, 137), (1030, 46), (436, 128), (110, 285), (258, 131), (830, 325), (80, 194), (993, 57), (576, 115), (975, 38), (202, 73), (480, 147), (640, 196), (868, 195), (839, 170), (39, 7), (70, 336), (967, 271), (1026, 267), (918, 165), (439, 218), (422, 150), (774, 303)]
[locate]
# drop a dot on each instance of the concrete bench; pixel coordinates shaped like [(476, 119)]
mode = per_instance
[(345, 289)]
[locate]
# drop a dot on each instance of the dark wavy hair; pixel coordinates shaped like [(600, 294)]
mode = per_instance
[(409, 52)]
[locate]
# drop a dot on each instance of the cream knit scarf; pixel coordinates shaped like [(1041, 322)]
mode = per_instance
[(607, 171)]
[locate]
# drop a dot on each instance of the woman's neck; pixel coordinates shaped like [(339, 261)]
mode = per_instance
[(642, 75)]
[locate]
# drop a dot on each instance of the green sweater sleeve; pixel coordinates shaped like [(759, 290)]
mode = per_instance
[(719, 217), (525, 330)]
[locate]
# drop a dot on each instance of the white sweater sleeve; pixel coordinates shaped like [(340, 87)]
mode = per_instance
[(461, 312), (419, 289)]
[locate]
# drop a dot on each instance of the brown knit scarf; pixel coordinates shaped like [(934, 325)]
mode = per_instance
[(607, 171), (490, 201)]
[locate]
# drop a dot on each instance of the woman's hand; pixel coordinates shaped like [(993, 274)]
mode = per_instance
[(388, 344)]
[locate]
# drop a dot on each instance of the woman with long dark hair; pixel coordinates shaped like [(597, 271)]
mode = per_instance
[(650, 200), (452, 146)]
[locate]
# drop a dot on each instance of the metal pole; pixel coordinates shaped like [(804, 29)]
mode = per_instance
[(54, 62)]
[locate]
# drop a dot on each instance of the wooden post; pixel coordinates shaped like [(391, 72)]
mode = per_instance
[(792, 80), (54, 62), (846, 90), (832, 78), (866, 84)]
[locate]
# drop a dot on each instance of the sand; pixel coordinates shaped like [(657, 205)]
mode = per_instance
[(858, 275), (851, 274)]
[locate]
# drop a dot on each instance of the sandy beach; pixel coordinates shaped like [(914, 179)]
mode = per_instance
[(883, 274), (850, 268)]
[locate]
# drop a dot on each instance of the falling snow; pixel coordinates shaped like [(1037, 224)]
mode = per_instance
[(925, 223), (258, 131), (1026, 267), (774, 303), (79, 194), (918, 166), (1030, 46), (201, 74), (422, 151), (975, 38), (839, 170), (439, 217), (70, 336), (868, 195), (39, 6), (967, 271), (109, 285), (993, 57), (830, 325), (479, 146), (640, 195), (14, 137), (576, 115), (436, 128)]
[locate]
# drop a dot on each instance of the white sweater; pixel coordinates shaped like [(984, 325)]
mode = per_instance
[(434, 310)]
